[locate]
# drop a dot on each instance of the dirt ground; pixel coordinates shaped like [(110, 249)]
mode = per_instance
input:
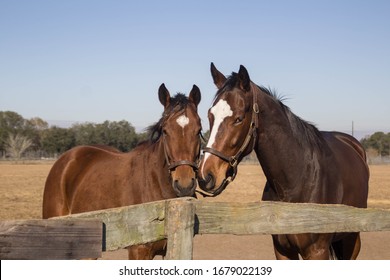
[(21, 189)]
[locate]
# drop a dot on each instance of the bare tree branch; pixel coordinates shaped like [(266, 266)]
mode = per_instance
[(16, 145)]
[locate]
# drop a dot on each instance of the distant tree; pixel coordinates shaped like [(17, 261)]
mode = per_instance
[(16, 145), (37, 124), (56, 140), (85, 134), (34, 129), (142, 136), (120, 135), (10, 122), (378, 141)]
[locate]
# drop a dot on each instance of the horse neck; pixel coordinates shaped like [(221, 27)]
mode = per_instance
[(155, 169), (278, 150)]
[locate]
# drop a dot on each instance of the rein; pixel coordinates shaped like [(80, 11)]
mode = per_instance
[(234, 160)]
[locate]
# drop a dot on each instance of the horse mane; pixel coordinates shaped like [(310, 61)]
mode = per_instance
[(303, 131), (177, 103)]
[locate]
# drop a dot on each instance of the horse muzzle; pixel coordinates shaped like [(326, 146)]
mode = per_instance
[(184, 190), (183, 177), (208, 185)]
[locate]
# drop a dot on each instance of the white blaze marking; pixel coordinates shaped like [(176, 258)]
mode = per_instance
[(221, 110), (183, 121)]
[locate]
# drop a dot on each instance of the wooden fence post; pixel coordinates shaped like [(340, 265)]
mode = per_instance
[(179, 228)]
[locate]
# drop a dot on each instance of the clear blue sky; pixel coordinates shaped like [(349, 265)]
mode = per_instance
[(90, 61)]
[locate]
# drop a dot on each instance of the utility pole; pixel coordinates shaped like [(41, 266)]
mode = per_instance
[(353, 129)]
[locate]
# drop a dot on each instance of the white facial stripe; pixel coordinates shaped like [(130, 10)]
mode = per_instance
[(221, 110), (183, 121)]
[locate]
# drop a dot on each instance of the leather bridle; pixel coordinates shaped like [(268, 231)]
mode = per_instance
[(172, 165), (234, 160)]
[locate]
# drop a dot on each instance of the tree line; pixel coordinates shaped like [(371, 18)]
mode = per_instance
[(19, 136), (378, 142)]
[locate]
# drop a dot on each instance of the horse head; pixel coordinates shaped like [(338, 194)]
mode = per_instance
[(180, 129), (233, 122)]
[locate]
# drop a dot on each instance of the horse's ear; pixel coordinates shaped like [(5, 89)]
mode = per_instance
[(195, 95), (164, 96), (218, 77), (243, 79)]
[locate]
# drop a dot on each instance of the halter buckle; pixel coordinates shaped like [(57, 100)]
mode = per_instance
[(233, 161), (256, 108)]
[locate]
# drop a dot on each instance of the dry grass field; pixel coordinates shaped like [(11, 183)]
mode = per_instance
[(21, 189)]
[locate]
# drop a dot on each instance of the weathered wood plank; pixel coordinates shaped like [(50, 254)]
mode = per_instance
[(278, 217), (130, 225), (50, 239), (179, 228), (144, 223)]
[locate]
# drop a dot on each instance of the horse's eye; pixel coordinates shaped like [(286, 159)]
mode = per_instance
[(238, 120)]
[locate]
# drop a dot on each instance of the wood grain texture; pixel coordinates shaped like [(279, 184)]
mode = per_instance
[(179, 228), (50, 239), (130, 225), (289, 218), (179, 219)]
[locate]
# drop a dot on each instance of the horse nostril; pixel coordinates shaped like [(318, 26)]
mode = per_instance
[(209, 182), (193, 182), (209, 178)]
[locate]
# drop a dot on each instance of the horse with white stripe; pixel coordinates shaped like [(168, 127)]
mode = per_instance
[(301, 163)]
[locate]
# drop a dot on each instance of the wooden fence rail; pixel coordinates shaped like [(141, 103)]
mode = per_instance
[(50, 239), (179, 219)]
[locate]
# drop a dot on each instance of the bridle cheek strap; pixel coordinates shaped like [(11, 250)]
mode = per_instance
[(174, 164), (233, 160)]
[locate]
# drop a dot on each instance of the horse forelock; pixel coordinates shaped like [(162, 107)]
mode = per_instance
[(177, 104), (229, 84)]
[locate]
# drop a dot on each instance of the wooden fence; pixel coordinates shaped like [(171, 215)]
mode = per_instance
[(87, 234)]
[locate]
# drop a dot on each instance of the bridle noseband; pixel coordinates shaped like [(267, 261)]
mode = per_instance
[(234, 160), (172, 165)]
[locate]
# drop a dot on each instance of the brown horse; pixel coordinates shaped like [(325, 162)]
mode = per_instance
[(88, 178), (301, 163)]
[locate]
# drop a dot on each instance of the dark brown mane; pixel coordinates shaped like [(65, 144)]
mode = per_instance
[(305, 131)]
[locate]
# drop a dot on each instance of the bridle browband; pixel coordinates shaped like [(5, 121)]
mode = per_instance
[(234, 160)]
